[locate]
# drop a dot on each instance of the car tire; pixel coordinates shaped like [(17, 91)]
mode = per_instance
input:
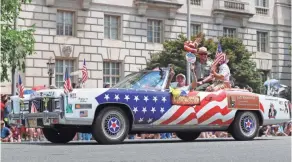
[(111, 126), (245, 126), (59, 135), (188, 136)]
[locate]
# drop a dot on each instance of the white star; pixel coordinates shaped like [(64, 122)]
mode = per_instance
[(153, 109), (164, 99), (146, 98), (127, 97), (144, 110), (162, 109), (154, 98), (135, 109), (117, 97), (136, 98), (114, 125), (106, 96), (149, 120), (140, 120)]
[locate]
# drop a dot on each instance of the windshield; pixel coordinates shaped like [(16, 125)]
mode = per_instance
[(142, 80)]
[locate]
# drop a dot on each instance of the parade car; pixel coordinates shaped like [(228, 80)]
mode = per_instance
[(140, 103)]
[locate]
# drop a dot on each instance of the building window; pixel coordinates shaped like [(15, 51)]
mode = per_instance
[(65, 21), (229, 32), (262, 41), (262, 7), (60, 71), (154, 31), (195, 29), (111, 73), (196, 2), (262, 3), (112, 27)]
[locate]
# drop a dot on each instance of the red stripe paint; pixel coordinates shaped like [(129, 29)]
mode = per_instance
[(176, 115), (189, 118), (213, 112)]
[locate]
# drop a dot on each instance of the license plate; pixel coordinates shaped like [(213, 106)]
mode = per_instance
[(32, 123)]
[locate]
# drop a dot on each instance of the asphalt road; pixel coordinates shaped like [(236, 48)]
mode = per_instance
[(266, 149)]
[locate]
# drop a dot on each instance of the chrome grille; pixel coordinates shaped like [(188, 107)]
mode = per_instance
[(40, 105)]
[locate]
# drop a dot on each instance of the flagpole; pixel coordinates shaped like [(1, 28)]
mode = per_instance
[(189, 38)]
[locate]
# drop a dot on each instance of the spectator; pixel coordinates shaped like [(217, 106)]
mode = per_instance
[(288, 129), (6, 134), (15, 134)]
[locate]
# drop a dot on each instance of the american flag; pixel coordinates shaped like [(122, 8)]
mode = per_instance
[(20, 88), (155, 107), (218, 57), (219, 50), (84, 73), (67, 82), (35, 105)]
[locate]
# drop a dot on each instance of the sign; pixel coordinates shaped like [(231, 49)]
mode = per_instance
[(186, 100), (243, 100), (191, 58)]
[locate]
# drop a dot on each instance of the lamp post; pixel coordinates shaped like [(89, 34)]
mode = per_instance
[(51, 67), (189, 38)]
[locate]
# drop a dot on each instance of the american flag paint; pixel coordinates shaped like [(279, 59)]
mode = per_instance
[(84, 72), (67, 82), (20, 88), (155, 107)]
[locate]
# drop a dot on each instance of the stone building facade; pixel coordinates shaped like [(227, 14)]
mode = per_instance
[(117, 39)]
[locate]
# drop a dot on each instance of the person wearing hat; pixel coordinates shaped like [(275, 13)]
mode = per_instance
[(181, 80), (6, 133), (222, 77)]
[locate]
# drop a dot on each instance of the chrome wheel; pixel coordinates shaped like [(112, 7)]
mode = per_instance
[(247, 125), (113, 125)]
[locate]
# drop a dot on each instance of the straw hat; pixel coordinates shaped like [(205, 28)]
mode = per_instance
[(202, 50)]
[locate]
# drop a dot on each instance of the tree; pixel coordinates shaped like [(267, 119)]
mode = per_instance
[(243, 69), (15, 44)]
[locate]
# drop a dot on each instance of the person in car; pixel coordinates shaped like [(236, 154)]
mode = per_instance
[(181, 80), (222, 77)]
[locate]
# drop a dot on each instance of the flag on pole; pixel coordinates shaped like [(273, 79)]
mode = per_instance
[(20, 88), (67, 83), (218, 57), (84, 73), (219, 50)]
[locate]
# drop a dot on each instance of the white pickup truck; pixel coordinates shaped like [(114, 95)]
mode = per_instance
[(140, 104)]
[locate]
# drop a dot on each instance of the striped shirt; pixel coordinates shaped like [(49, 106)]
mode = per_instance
[(225, 71)]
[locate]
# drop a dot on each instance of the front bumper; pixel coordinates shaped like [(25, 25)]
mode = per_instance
[(36, 120)]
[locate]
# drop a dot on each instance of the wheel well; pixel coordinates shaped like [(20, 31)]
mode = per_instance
[(258, 113), (124, 107)]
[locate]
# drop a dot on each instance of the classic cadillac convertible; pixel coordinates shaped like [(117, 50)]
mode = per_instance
[(140, 104)]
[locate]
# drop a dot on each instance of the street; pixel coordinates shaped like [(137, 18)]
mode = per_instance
[(266, 149)]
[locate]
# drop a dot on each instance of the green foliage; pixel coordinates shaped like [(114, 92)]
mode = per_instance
[(15, 44), (243, 69)]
